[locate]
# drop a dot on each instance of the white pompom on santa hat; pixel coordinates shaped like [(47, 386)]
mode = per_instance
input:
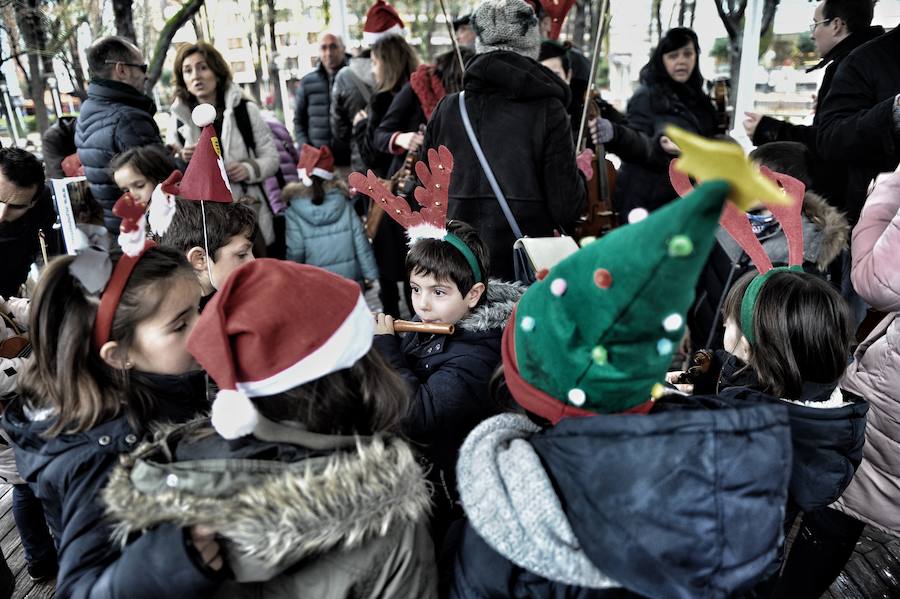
[(381, 20), (273, 326), (315, 161)]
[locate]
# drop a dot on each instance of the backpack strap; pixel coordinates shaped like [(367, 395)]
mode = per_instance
[(245, 127)]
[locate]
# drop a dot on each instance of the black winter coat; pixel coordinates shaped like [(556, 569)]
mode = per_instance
[(389, 244), (684, 502), (19, 242), (653, 106), (114, 118), (312, 114), (404, 114), (448, 377), (68, 473), (58, 143), (856, 118), (350, 93), (518, 111), (829, 178)]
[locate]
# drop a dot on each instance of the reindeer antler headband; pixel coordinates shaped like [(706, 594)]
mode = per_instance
[(430, 221), (738, 226)]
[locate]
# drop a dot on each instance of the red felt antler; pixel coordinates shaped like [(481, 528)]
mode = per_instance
[(130, 210), (432, 195), (393, 206), (172, 183), (790, 216), (738, 226)]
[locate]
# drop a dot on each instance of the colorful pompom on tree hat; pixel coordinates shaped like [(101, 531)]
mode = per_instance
[(596, 335)]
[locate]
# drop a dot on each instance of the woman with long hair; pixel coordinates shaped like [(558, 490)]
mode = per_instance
[(671, 93), (202, 76), (393, 62)]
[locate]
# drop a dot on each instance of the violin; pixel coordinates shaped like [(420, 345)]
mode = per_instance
[(600, 217), (720, 98), (399, 185)]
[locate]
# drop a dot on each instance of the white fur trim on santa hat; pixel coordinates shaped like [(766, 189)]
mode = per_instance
[(161, 211), (203, 115), (132, 243), (350, 342), (370, 37), (425, 231), (233, 414), (318, 172)]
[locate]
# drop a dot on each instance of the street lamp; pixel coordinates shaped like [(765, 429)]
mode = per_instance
[(54, 93)]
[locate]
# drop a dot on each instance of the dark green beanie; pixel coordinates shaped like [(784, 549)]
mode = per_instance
[(598, 331)]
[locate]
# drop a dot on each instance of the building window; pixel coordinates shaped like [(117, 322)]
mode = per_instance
[(235, 42), (238, 67)]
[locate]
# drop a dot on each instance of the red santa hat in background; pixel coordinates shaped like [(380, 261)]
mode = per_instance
[(315, 161), (248, 340), (381, 20)]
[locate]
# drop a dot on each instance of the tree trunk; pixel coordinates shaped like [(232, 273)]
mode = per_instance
[(31, 29), (124, 19), (77, 68), (175, 22), (198, 28), (259, 34), (274, 78)]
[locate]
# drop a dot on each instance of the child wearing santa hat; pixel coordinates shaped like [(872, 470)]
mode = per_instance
[(306, 484), (322, 229)]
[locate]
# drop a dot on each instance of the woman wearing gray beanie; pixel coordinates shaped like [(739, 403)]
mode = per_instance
[(517, 108)]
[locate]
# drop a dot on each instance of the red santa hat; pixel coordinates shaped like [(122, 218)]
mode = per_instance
[(273, 326), (315, 161), (204, 179), (381, 20)]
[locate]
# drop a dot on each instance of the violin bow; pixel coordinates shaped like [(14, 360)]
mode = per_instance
[(595, 58)]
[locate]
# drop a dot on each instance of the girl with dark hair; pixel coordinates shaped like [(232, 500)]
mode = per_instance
[(787, 341), (671, 93), (109, 360), (139, 170), (304, 477)]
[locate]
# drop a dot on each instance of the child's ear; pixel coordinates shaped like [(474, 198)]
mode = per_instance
[(474, 295), (197, 258), (112, 354), (742, 350)]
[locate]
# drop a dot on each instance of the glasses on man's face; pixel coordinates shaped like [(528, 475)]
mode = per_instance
[(812, 28), (142, 67)]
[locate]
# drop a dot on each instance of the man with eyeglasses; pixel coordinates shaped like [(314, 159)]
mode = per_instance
[(26, 208), (838, 28), (116, 116)]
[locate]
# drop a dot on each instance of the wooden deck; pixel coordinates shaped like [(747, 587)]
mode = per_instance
[(15, 556), (873, 572)]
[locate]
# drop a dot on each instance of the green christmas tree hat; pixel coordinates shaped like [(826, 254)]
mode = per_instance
[(596, 335)]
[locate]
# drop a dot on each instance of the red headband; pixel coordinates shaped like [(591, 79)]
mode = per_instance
[(109, 299)]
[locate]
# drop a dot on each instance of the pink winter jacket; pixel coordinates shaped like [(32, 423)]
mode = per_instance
[(874, 494)]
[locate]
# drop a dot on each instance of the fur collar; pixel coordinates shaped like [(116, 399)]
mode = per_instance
[(832, 224), (495, 312), (273, 514)]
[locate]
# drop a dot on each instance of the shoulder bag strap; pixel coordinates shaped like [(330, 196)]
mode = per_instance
[(487, 168)]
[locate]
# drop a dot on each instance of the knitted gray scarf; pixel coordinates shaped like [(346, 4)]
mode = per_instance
[(511, 504)]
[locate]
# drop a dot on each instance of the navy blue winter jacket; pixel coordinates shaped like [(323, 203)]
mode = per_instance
[(68, 473), (684, 502), (114, 118)]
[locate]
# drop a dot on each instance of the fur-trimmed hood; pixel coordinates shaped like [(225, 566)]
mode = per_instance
[(273, 513), (494, 313)]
